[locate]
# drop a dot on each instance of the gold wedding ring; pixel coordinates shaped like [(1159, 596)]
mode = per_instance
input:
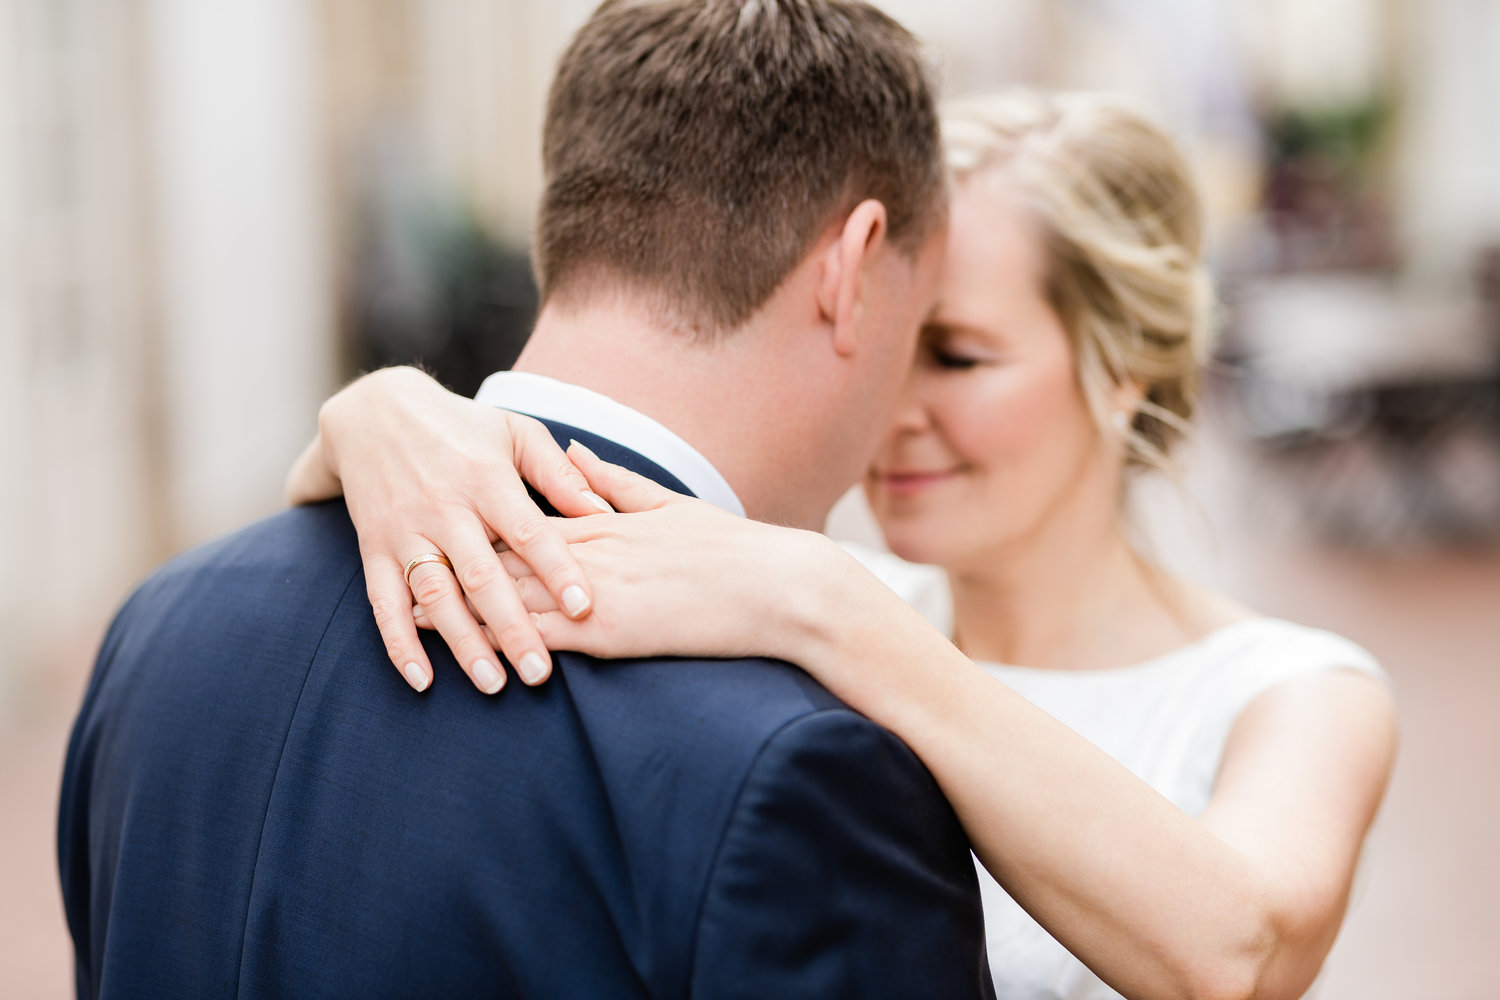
[(425, 557)]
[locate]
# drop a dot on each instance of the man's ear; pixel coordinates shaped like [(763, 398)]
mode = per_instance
[(841, 285)]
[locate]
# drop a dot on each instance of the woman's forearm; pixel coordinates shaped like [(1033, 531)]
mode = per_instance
[(1143, 894)]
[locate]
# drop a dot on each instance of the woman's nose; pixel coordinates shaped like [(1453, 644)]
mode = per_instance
[(912, 414)]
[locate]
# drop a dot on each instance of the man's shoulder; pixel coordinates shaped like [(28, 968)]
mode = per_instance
[(681, 723), (262, 594), (683, 734), (299, 542), (714, 728), (708, 762), (279, 564), (787, 820)]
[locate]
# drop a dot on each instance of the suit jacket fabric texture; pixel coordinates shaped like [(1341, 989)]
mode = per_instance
[(255, 805)]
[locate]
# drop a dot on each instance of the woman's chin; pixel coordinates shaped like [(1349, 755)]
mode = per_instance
[(918, 543)]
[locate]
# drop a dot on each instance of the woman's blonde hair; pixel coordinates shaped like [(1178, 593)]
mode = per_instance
[(1124, 246)]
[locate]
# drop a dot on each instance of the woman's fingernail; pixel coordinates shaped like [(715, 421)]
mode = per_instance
[(575, 443), (416, 676), (575, 601), (598, 501), (532, 668), (489, 679)]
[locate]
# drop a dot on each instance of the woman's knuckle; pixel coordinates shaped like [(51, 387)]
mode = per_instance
[(479, 576), (558, 576), (430, 589), (469, 646), (513, 635), (527, 531), (523, 423), (397, 648), (387, 612)]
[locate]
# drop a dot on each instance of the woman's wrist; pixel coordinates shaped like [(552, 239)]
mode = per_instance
[(309, 479), (827, 596), (860, 640)]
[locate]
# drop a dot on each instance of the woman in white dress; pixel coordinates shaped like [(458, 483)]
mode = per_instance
[(1171, 790)]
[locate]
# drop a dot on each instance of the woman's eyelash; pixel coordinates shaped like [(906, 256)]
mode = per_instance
[(949, 359)]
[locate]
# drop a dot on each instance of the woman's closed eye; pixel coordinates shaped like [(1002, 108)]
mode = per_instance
[(953, 360), (952, 352)]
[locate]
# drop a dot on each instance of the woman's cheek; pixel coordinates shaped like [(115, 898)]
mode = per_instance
[(999, 421)]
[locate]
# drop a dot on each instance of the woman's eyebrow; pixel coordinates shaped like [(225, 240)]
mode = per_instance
[(935, 326)]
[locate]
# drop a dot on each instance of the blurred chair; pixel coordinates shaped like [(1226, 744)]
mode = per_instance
[(1378, 418)]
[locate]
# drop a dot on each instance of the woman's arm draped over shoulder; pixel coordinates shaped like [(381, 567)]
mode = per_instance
[(426, 471), (1241, 902)]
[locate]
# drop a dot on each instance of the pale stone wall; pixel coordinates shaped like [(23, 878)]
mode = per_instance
[(165, 315), (75, 349), (1449, 196), (175, 177), (246, 310)]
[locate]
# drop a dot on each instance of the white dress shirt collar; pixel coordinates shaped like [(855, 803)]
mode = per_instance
[(548, 399)]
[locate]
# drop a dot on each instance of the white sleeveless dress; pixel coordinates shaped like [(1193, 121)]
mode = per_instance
[(1166, 720)]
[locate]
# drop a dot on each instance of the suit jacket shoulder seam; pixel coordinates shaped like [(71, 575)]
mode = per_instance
[(733, 812)]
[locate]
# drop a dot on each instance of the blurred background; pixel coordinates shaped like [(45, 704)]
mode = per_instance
[(211, 215)]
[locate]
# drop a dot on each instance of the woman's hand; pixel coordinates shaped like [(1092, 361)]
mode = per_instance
[(678, 576), (425, 471)]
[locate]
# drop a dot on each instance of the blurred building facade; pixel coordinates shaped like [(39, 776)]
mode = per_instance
[(166, 307), (211, 214)]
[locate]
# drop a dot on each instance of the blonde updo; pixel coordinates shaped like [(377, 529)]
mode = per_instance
[(1124, 259)]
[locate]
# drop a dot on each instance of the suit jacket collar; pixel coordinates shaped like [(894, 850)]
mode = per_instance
[(613, 451), (614, 428)]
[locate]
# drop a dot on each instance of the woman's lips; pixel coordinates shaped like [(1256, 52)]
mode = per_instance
[(906, 482)]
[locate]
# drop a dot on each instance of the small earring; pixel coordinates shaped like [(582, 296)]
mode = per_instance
[(1121, 419)]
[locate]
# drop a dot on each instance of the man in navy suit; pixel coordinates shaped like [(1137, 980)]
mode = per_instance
[(740, 236)]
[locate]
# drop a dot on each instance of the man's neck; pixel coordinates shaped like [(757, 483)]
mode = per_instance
[(699, 391)]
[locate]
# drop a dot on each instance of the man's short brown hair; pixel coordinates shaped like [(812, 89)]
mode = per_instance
[(695, 149)]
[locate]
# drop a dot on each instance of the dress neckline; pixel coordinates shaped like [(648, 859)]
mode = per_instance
[(1171, 657)]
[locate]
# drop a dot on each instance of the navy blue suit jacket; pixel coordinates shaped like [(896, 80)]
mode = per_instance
[(255, 805)]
